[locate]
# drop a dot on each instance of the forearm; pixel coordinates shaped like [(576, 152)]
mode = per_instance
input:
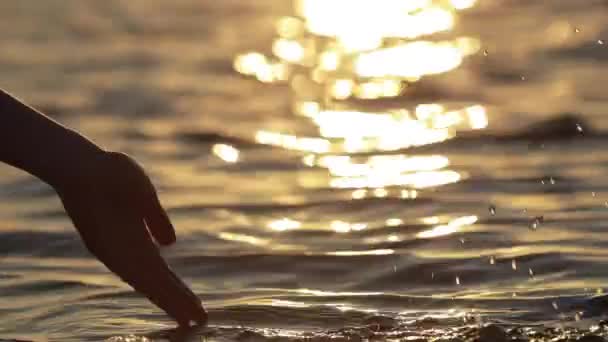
[(31, 141)]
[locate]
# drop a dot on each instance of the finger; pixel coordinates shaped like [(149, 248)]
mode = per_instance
[(158, 222), (144, 268), (191, 305), (177, 302), (156, 287), (197, 313), (147, 202), (130, 268), (156, 217)]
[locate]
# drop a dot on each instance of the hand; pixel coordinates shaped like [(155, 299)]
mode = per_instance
[(116, 210)]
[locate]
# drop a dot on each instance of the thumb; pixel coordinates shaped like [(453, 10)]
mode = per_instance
[(158, 221), (154, 214), (140, 189)]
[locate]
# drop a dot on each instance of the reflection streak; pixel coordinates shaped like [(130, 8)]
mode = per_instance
[(410, 61), (385, 18), (452, 227), (225, 152), (338, 51)]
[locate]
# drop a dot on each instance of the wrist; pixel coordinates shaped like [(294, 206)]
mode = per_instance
[(71, 159), (33, 142)]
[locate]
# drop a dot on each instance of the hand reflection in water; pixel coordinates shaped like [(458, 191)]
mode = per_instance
[(110, 199)]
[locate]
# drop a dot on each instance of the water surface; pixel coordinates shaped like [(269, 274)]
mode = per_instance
[(335, 169)]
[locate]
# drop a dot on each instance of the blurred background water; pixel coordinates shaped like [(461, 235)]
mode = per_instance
[(335, 169)]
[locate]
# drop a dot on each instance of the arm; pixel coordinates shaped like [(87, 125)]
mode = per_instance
[(36, 144), (109, 198)]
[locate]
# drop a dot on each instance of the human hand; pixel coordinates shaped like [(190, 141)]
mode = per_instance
[(116, 210)]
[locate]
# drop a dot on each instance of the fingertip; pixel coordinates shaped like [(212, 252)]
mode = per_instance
[(202, 317), (157, 219)]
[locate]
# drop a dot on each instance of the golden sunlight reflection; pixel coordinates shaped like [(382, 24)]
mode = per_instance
[(252, 240), (409, 194), (288, 50), (452, 227), (393, 222), (463, 4), (337, 56), (257, 241), (257, 65), (345, 227), (225, 152), (288, 303), (345, 307), (381, 166), (417, 180), (378, 88), (430, 220), (292, 142), (389, 170), (380, 192), (343, 20), (413, 60), (366, 252), (385, 127), (477, 117), (321, 293), (359, 194), (389, 130), (284, 224)]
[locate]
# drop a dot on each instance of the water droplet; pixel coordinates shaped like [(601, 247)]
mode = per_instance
[(531, 272), (523, 78), (542, 181), (535, 223), (577, 30), (492, 210), (552, 180), (600, 42), (457, 280), (514, 265), (579, 128), (485, 53), (492, 260), (555, 306)]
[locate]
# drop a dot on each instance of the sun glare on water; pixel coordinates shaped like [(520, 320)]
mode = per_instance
[(350, 65)]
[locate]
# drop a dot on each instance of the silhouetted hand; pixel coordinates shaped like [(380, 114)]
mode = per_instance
[(110, 199), (115, 208)]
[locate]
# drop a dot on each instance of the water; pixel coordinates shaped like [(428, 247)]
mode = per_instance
[(335, 169)]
